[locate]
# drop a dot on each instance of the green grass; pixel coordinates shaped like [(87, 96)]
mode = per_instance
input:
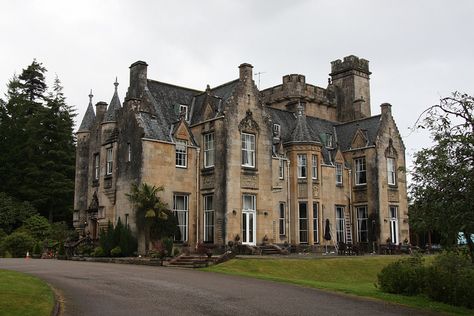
[(22, 294), (350, 275)]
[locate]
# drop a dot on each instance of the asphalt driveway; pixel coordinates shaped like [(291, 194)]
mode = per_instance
[(118, 289)]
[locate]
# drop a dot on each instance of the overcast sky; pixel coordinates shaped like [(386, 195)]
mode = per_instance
[(419, 51)]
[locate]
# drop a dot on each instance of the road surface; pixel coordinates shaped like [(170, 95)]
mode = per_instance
[(118, 289)]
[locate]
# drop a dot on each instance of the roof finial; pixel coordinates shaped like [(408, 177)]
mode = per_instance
[(90, 96), (116, 84)]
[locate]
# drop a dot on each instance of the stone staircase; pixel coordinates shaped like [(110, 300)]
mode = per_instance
[(270, 250), (191, 261)]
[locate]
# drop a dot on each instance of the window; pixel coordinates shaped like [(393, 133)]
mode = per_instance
[(208, 219), (303, 222), (393, 210), (96, 166), (276, 130), (181, 153), (183, 110), (391, 171), (129, 152), (180, 209), (301, 160), (314, 166), (281, 169), (248, 150), (316, 222), (282, 219), (360, 171), (339, 173), (340, 234), (109, 160), (209, 150), (362, 224), (329, 140)]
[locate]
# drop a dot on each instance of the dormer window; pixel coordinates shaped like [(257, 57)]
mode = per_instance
[(183, 110), (328, 140), (276, 130)]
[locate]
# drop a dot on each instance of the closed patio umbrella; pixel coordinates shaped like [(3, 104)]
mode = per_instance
[(327, 233)]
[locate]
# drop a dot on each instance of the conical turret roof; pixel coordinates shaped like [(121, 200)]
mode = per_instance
[(114, 105), (89, 117), (302, 131)]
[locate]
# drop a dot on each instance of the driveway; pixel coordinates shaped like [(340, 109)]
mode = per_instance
[(118, 289)]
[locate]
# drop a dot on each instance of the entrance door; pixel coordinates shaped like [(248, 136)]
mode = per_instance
[(393, 225), (249, 220)]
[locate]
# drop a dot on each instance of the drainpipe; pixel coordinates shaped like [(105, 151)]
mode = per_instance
[(288, 202), (351, 211), (198, 150)]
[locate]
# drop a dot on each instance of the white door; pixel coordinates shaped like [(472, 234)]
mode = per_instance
[(249, 219), (393, 225)]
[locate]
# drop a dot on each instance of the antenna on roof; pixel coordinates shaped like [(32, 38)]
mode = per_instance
[(258, 74)]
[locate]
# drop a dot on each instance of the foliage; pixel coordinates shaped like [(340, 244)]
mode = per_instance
[(405, 276), (37, 249), (443, 184), (152, 215), (450, 279), (36, 136), (118, 236), (13, 213), (168, 245), (98, 252), (38, 227), (18, 243), (24, 294), (116, 252), (61, 249)]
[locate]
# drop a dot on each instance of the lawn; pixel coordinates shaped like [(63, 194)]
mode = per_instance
[(22, 294), (351, 275)]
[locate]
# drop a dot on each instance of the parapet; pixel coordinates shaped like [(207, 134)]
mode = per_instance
[(350, 63)]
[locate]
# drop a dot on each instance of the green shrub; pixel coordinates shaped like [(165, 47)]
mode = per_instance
[(405, 276), (18, 243), (98, 252), (116, 252), (168, 245), (7, 254), (450, 279), (37, 249), (61, 250), (175, 252)]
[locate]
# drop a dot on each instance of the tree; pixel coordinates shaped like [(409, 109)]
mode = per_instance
[(152, 215), (37, 141), (443, 175), (13, 213)]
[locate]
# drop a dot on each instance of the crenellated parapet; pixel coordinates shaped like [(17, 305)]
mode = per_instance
[(348, 64)]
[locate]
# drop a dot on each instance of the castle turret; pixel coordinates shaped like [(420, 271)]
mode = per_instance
[(114, 106), (351, 78)]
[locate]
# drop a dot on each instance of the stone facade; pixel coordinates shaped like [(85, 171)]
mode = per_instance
[(239, 163)]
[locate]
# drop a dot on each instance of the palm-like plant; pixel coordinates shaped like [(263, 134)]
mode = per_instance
[(148, 207)]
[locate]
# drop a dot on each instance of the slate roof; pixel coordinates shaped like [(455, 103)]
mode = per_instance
[(114, 106), (89, 117), (346, 131)]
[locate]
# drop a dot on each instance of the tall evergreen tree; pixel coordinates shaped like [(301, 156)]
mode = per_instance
[(37, 142)]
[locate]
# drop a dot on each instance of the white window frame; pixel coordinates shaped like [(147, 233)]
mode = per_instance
[(185, 108), (362, 223), (276, 130), (96, 166), (282, 218), (302, 166), (303, 223), (182, 214), (339, 173), (209, 218), (248, 150), (109, 161), (316, 222), (129, 152), (329, 140), (314, 167), (181, 150), (360, 171), (209, 145), (281, 168), (340, 224), (391, 173)]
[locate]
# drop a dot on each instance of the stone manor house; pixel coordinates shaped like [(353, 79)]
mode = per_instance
[(272, 164)]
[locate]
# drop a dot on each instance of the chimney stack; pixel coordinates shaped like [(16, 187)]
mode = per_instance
[(138, 77)]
